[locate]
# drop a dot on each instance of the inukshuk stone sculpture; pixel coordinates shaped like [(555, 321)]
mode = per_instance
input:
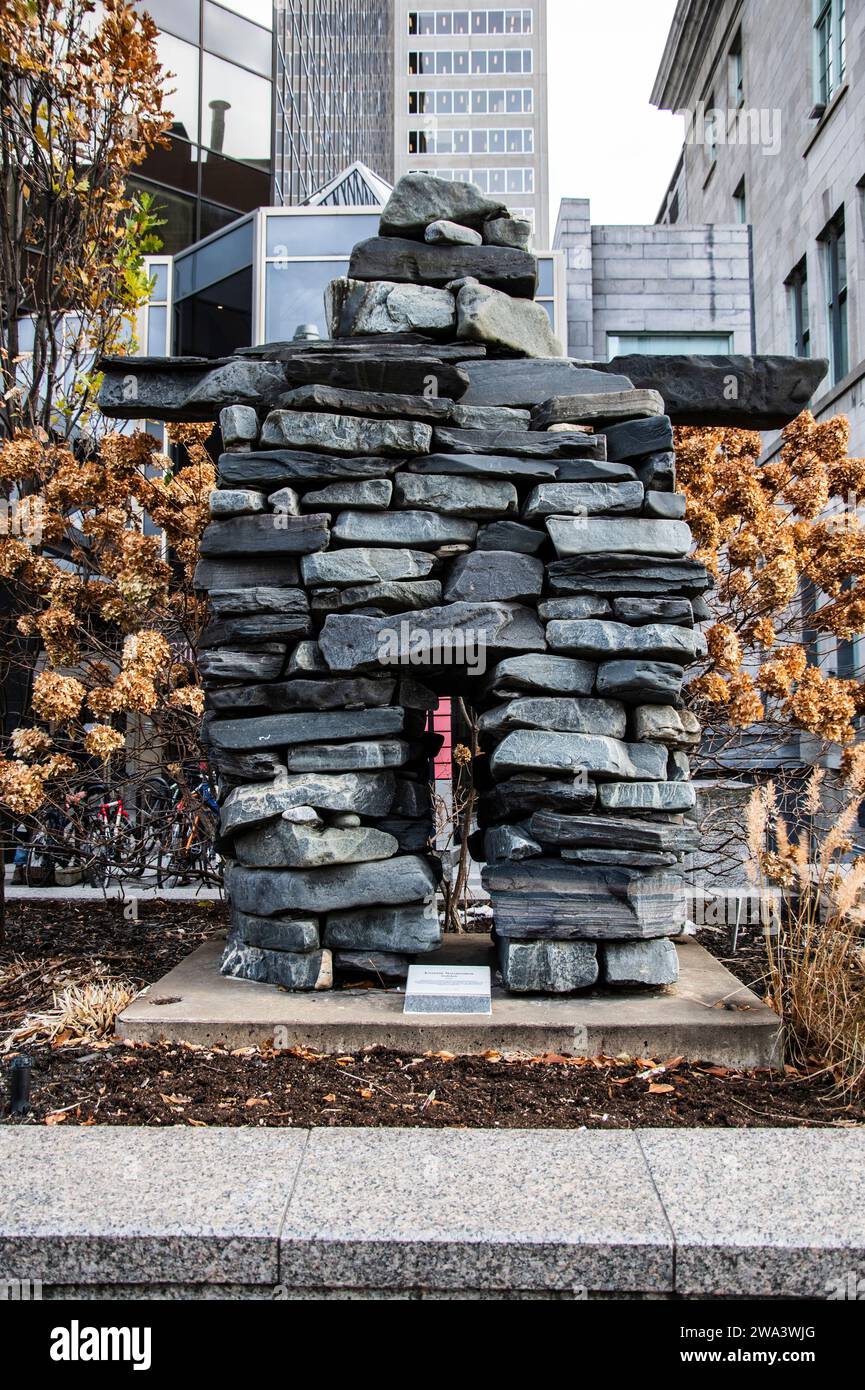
[(436, 501)]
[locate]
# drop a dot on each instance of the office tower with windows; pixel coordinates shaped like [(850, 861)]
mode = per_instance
[(470, 98), (333, 90)]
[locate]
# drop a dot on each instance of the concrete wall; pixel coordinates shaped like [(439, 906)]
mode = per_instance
[(799, 170), (653, 279)]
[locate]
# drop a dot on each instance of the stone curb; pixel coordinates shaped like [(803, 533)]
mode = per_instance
[(346, 1213)]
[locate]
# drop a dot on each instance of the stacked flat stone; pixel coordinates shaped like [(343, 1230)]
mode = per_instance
[(435, 501)]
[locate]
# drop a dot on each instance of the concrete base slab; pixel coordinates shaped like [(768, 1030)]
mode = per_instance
[(708, 1015)]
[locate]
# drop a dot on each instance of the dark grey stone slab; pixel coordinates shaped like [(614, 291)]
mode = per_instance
[(226, 664), (489, 417), (487, 465), (612, 833), (281, 844), (507, 231), (583, 499), (370, 346), (510, 535), (267, 892), (640, 963), (637, 611), (273, 468), (370, 307), (310, 970), (364, 565), (597, 408), (275, 933), (257, 598), (627, 574), (279, 571), (596, 640), (276, 534), (372, 404), (410, 929), (563, 715), (640, 681), (250, 767), (389, 596), (542, 673), (520, 796), (667, 506), (419, 199), (547, 967), (770, 390), (634, 438), (418, 262), (480, 499), (534, 751), (551, 899), (527, 383), (255, 628), (237, 382), (657, 472), (648, 797), (421, 529), (493, 576), (370, 494), (403, 372), (517, 443), (624, 858), (364, 756), (366, 793), (457, 635), (345, 434), (579, 606), (277, 730)]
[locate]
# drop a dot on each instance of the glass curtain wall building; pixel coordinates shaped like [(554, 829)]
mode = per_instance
[(219, 161), (270, 99), (333, 92)]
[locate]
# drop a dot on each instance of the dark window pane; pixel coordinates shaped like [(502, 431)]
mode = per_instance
[(217, 320), (461, 103), (443, 22), (461, 62), (177, 212), (220, 259), (495, 21), (241, 186)]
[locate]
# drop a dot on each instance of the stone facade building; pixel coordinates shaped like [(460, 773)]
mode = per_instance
[(653, 289), (774, 96)]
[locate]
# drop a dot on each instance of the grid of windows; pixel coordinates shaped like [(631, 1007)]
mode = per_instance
[(470, 22), (334, 92), (493, 101), (488, 180), (504, 141), (462, 61)]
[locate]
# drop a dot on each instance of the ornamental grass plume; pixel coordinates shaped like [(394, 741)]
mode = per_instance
[(815, 947)]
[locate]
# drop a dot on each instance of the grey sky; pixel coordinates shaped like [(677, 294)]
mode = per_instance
[(607, 142)]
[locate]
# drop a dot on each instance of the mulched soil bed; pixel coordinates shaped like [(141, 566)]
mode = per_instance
[(132, 1084)]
